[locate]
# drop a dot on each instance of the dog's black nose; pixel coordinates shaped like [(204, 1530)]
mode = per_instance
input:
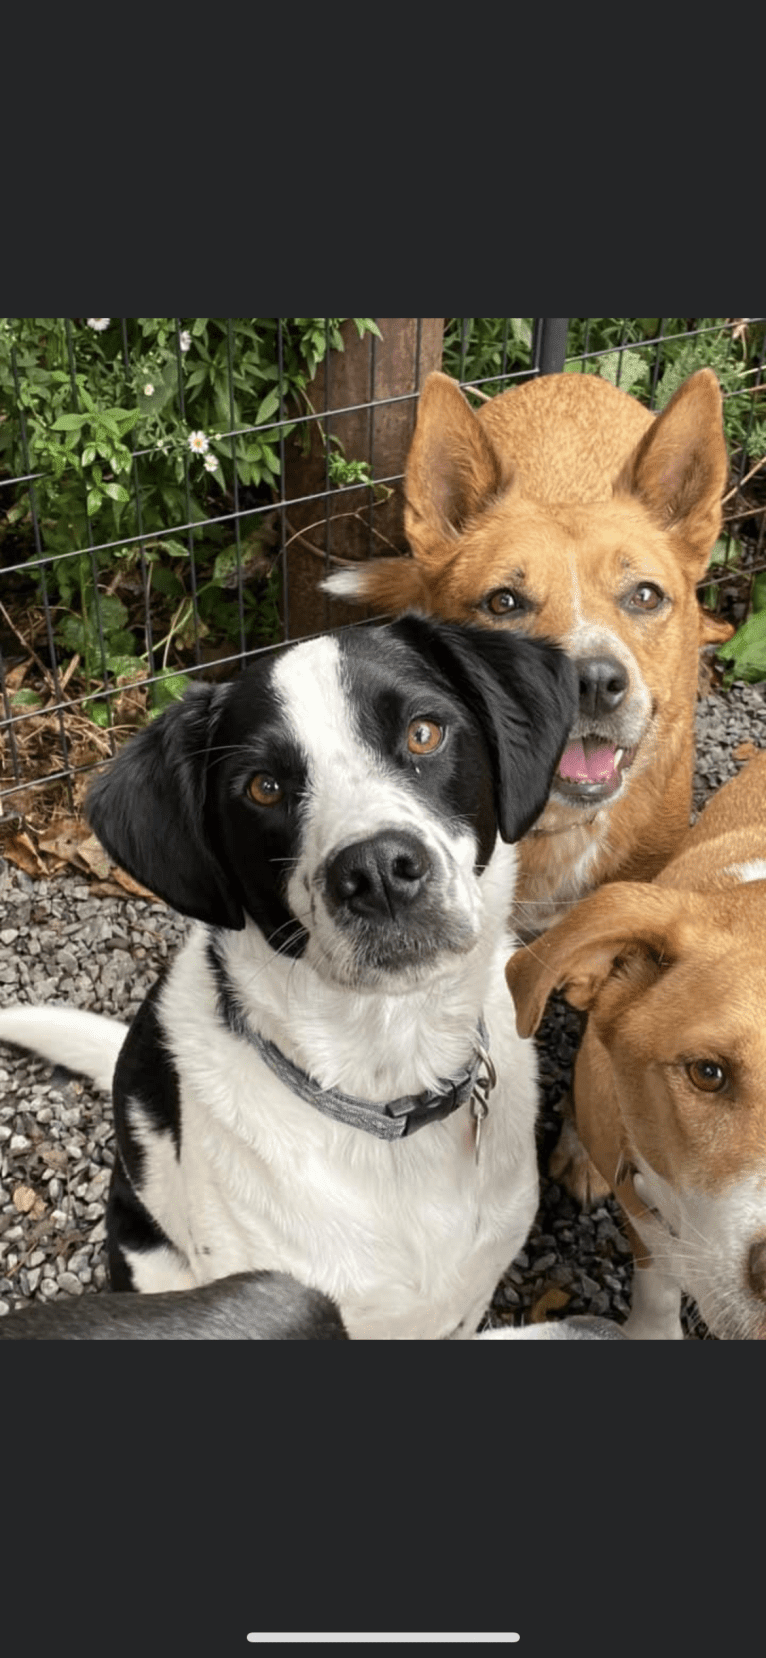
[(603, 682), (379, 876), (756, 1269)]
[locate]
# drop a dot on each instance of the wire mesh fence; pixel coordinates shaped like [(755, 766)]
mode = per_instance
[(173, 490)]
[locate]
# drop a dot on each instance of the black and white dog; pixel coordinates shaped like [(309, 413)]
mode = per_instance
[(247, 1306), (311, 1087)]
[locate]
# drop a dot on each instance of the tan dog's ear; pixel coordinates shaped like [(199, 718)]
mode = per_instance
[(712, 630), (680, 466), (452, 470), (579, 953), (390, 585)]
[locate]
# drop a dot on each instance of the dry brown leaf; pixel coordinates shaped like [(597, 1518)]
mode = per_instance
[(127, 884), (14, 677), (106, 889), (19, 850), (27, 1201), (550, 1301), (91, 854), (54, 1157), (745, 751), (62, 838)]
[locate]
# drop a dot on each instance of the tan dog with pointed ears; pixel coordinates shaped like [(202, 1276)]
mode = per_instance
[(670, 1081), (565, 509)]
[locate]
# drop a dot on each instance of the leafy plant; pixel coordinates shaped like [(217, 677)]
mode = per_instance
[(649, 357), (480, 348), (745, 654), (132, 428), (624, 351)]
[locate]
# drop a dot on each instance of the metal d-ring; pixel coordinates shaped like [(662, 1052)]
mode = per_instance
[(482, 1089)]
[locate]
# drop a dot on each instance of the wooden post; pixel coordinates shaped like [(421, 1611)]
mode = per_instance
[(346, 524)]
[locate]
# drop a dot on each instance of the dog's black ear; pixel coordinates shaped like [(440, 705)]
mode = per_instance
[(524, 694), (148, 810)]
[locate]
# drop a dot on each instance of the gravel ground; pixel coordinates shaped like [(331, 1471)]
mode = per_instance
[(61, 943)]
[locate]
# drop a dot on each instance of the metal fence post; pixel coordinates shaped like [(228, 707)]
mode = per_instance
[(551, 344)]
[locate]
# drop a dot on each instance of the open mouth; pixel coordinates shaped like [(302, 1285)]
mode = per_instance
[(591, 768)]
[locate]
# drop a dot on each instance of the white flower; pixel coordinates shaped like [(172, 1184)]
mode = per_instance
[(148, 389), (210, 463), (184, 339), (98, 323), (198, 443)]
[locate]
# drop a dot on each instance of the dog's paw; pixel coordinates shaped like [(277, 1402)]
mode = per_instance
[(571, 1166)]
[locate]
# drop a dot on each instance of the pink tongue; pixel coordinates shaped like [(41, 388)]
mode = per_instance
[(585, 763)]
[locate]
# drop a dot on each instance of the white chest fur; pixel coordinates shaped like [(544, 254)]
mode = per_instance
[(410, 1237)]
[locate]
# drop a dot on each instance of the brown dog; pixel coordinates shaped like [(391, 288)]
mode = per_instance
[(565, 509), (670, 1082)]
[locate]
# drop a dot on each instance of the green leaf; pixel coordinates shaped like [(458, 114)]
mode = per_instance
[(112, 611), (726, 551), (126, 420), (15, 513), (116, 492), (268, 408), (124, 666), (122, 643), (70, 423), (226, 566), (98, 713), (167, 582), (168, 689), (94, 502), (72, 634), (522, 331), (103, 423), (627, 364), (746, 652), (25, 699), (759, 592), (89, 455), (175, 548)]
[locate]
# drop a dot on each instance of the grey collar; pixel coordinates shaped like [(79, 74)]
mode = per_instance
[(391, 1121)]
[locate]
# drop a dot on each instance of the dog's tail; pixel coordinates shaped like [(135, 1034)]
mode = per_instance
[(84, 1042)]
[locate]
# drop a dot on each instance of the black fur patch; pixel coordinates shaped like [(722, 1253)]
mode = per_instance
[(128, 1226), (145, 1072), (389, 683)]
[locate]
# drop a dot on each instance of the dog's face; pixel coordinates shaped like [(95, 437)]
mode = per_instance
[(603, 582), (676, 985), (346, 795), (611, 577)]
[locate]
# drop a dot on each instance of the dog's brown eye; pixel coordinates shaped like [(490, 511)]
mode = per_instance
[(503, 603), (706, 1075), (646, 596), (423, 736), (264, 789)]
